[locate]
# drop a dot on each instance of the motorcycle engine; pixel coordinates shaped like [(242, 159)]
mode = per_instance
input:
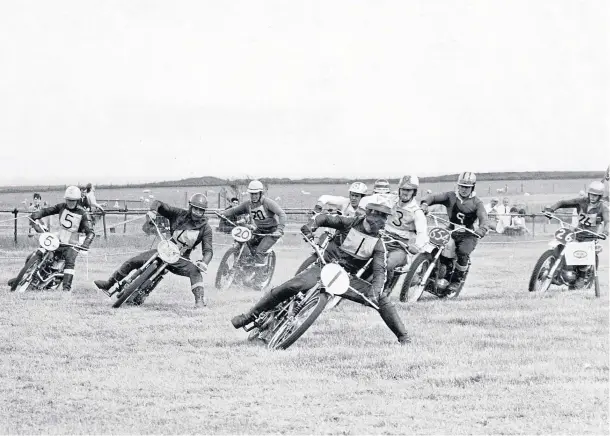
[(568, 276), (58, 264)]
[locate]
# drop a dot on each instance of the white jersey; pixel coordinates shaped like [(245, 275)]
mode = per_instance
[(407, 221)]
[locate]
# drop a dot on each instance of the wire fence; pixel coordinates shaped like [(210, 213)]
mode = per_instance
[(116, 224)]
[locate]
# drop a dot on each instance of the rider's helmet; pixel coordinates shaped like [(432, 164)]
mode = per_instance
[(255, 186), (199, 201), (467, 179), (358, 188), (380, 205), (409, 182), (382, 186), (595, 188), (72, 193)]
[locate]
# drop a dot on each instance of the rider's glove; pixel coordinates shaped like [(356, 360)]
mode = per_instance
[(424, 208), (605, 233), (481, 232), (241, 222), (151, 214), (307, 231), (277, 234), (201, 265), (414, 249)]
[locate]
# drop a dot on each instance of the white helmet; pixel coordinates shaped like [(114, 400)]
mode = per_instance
[(467, 179), (72, 193), (595, 188), (255, 186), (382, 186), (358, 188), (408, 182)]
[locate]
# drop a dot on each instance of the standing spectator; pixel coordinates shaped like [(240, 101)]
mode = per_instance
[(90, 202), (491, 206), (503, 214), (34, 207)]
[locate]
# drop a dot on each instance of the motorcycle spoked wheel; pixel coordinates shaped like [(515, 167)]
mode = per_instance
[(26, 279), (225, 276), (292, 328), (412, 288), (268, 271), (135, 285), (543, 265)]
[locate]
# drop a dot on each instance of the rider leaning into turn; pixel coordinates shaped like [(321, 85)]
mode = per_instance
[(269, 219), (355, 242), (343, 205), (74, 221), (464, 208), (407, 224), (592, 211), (188, 229)]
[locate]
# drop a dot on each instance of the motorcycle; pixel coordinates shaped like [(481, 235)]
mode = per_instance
[(281, 326), (47, 272), (426, 272), (558, 263), (237, 265), (138, 285)]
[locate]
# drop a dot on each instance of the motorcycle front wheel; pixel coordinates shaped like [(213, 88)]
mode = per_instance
[(539, 280)]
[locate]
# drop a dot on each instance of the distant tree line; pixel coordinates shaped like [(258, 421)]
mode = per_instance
[(268, 181)]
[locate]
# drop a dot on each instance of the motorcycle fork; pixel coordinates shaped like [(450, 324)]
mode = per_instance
[(433, 265), (127, 280), (556, 265), (42, 264)]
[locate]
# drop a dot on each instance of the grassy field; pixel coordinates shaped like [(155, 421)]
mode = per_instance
[(496, 361)]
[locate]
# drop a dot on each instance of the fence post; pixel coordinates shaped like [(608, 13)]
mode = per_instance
[(533, 226), (105, 230), (219, 200), (125, 223), (15, 212)]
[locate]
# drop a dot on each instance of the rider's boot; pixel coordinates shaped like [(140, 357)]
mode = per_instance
[(390, 316), (106, 285), (581, 278), (67, 282), (268, 301), (457, 278), (199, 297), (12, 283)]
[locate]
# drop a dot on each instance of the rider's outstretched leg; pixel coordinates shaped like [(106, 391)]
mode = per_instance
[(302, 282), (390, 316)]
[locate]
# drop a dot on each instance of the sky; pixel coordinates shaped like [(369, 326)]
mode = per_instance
[(135, 91)]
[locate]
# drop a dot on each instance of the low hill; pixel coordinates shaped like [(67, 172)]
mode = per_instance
[(215, 181)]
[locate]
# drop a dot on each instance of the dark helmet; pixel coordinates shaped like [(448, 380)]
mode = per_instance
[(199, 201)]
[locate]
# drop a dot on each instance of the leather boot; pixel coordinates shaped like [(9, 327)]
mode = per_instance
[(106, 285), (13, 284), (199, 300), (67, 282), (269, 301), (390, 316), (457, 278)]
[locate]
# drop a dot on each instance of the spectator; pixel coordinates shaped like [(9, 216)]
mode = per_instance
[(36, 206), (90, 202), (492, 204), (517, 223), (503, 213)]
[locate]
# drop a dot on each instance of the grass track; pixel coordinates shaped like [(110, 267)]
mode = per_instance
[(498, 360)]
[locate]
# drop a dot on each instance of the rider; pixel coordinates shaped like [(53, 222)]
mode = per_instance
[(74, 221), (188, 229), (592, 211), (382, 186), (269, 219), (346, 206), (407, 224), (355, 242), (464, 208)]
